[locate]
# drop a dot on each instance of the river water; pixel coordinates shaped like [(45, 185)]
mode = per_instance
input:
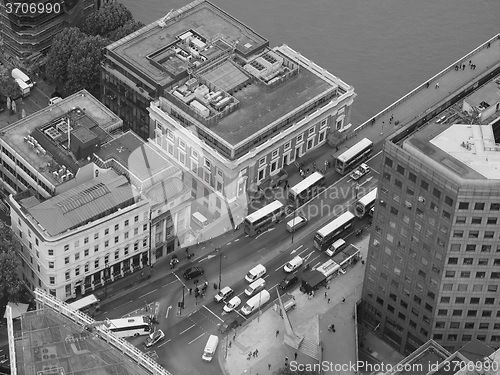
[(384, 48)]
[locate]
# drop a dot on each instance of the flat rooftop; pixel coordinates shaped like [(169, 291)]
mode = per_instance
[(50, 343), (81, 204), (143, 163), (468, 151), (41, 138), (201, 17)]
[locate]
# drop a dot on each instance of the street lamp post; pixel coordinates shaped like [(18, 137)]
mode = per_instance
[(294, 213), (220, 269)]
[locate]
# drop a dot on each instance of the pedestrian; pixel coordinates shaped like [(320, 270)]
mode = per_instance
[(234, 337), (253, 354), (470, 62), (286, 361), (463, 67), (229, 344), (249, 356), (295, 355), (190, 291), (427, 85), (328, 300), (277, 332), (437, 85), (343, 300), (256, 352), (326, 294), (269, 366)]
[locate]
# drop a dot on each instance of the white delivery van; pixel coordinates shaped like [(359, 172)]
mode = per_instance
[(25, 89), (335, 247), (256, 272), (254, 303), (296, 223), (255, 287), (199, 219), (18, 74), (210, 348)]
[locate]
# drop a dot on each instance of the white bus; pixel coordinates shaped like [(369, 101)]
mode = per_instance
[(366, 203), (132, 326), (354, 156), (332, 231), (89, 305), (306, 189), (263, 218)]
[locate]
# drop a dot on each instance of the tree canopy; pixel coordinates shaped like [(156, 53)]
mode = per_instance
[(11, 285), (76, 53), (111, 16), (9, 87)]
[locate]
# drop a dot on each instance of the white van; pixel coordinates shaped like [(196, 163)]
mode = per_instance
[(18, 74), (335, 247), (256, 272), (293, 264), (255, 287), (199, 219), (25, 89), (296, 223), (210, 348), (255, 302)]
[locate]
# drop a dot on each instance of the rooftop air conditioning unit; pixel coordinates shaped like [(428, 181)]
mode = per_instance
[(56, 175), (64, 177)]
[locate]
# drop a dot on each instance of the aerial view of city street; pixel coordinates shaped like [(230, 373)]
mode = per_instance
[(195, 187)]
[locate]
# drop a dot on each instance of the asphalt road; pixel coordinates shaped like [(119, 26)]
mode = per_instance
[(187, 331)]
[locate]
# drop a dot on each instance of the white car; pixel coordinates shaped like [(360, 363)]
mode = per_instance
[(232, 304), (360, 172), (154, 337), (293, 264)]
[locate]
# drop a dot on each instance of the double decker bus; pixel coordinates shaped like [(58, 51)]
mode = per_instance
[(306, 189), (264, 218), (332, 231), (89, 305), (130, 327), (365, 204), (353, 156)]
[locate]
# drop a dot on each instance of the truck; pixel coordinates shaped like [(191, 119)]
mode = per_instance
[(19, 74), (255, 302), (25, 89)]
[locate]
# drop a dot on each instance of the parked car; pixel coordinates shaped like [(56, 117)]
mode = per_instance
[(229, 324), (154, 337), (193, 272), (232, 304), (360, 172), (289, 281)]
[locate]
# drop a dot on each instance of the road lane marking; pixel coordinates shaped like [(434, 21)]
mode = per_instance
[(170, 283), (154, 290), (214, 314), (297, 249), (166, 342), (168, 309), (190, 342), (187, 329), (123, 304)]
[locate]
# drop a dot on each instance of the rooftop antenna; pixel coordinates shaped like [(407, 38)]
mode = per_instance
[(162, 21)]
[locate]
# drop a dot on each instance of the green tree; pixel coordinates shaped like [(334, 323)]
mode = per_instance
[(83, 65), (9, 88), (11, 285), (111, 16), (60, 52), (128, 28)]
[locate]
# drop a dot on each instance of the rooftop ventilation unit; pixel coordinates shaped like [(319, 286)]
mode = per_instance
[(52, 133)]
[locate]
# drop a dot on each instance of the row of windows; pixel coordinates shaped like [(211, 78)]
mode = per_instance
[(469, 313), (473, 247), (465, 337), (464, 287), (474, 234), (472, 300), (475, 220), (107, 232), (468, 325), (468, 274), (470, 261)]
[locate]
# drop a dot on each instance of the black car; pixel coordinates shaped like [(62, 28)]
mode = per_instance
[(193, 272), (229, 324), (289, 281)]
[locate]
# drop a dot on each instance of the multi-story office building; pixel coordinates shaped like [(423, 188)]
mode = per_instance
[(433, 267), (27, 29), (73, 242), (228, 108), (82, 200)]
